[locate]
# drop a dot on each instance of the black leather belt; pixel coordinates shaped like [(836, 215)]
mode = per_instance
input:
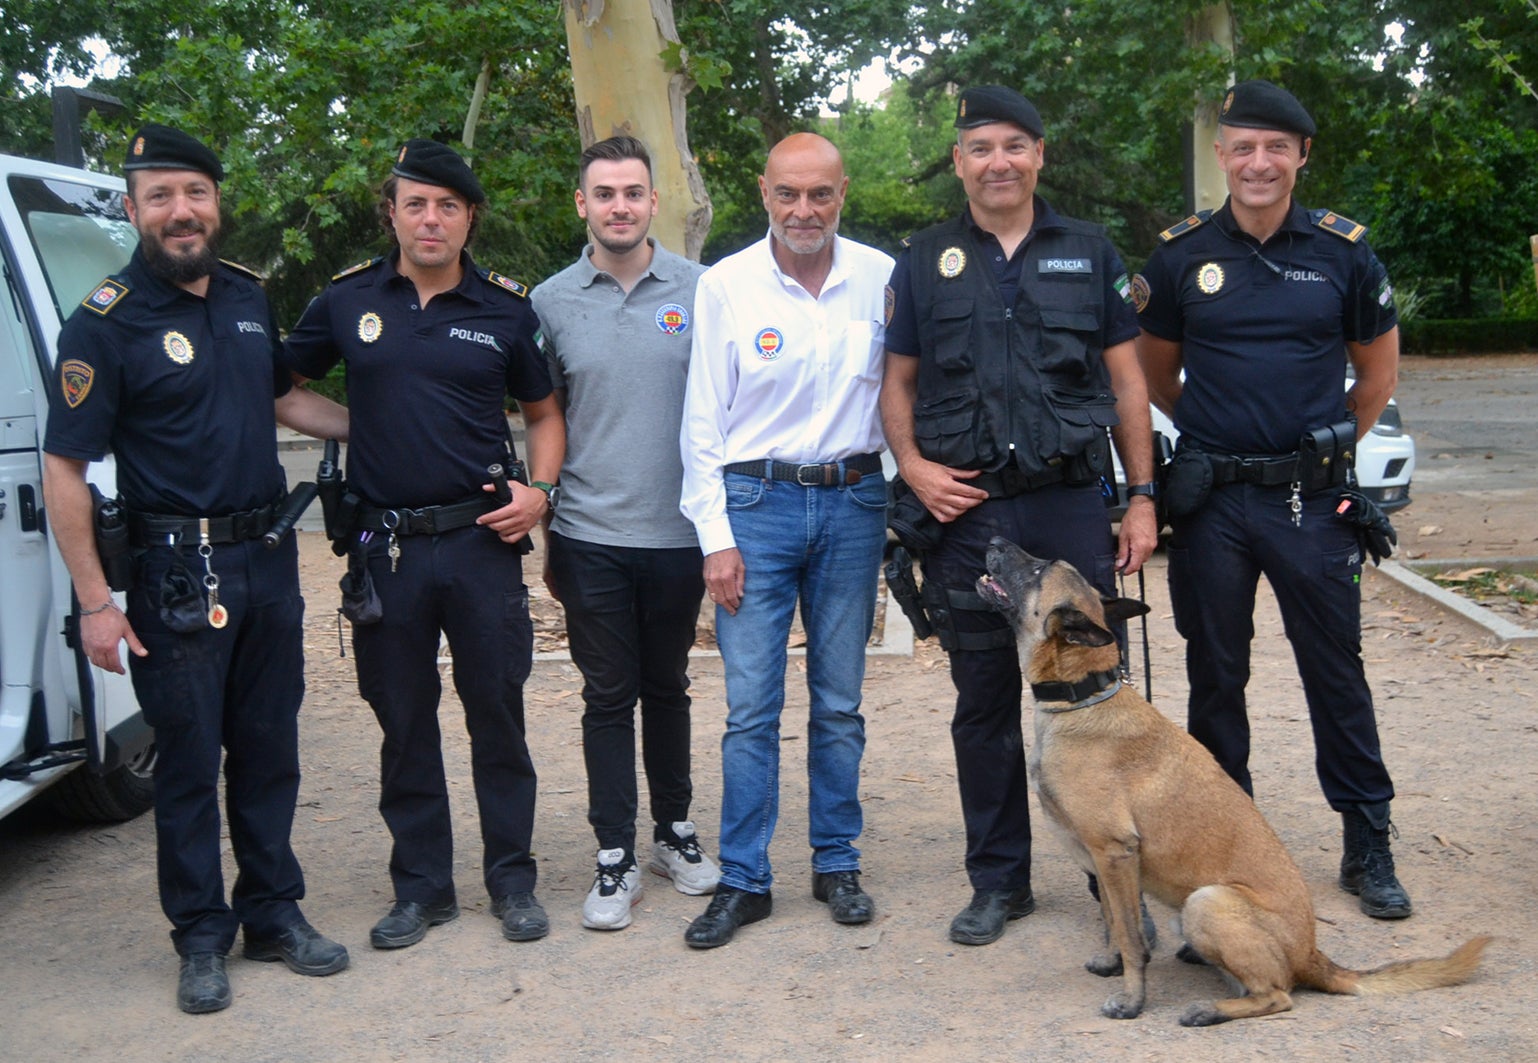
[(1010, 481), (1262, 470), (427, 520), (158, 529), (821, 474)]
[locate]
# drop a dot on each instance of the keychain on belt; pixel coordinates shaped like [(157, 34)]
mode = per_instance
[(218, 615), (1295, 503)]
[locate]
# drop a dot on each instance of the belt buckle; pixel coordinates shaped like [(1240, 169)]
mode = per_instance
[(821, 472)]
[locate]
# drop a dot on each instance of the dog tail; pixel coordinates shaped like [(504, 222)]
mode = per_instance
[(1405, 976)]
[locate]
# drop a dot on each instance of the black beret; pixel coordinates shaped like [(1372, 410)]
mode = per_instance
[(433, 163), (1262, 105), (159, 147), (982, 104)]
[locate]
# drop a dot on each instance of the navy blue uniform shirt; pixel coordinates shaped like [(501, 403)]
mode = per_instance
[(179, 388), (425, 385), (1263, 328), (902, 332)]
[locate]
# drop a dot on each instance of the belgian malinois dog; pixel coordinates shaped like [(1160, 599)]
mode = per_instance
[(1144, 806)]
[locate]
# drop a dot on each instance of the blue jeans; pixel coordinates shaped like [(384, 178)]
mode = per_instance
[(821, 546)]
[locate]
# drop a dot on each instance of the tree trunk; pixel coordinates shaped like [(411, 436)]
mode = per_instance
[(1207, 188), (623, 86)]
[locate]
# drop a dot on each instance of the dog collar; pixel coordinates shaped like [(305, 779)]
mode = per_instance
[(1091, 690)]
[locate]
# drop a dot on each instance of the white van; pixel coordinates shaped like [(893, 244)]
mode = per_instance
[(67, 728)]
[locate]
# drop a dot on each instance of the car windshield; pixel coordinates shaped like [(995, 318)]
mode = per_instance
[(79, 231)]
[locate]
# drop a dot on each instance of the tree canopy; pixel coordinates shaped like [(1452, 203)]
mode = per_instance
[(1428, 117)]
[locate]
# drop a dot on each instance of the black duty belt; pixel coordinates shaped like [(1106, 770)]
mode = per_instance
[(1264, 470), (1010, 481), (159, 529), (819, 474), (427, 520)]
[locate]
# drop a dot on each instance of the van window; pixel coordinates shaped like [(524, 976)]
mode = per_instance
[(79, 232)]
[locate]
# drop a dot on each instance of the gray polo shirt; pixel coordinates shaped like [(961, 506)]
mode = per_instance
[(623, 360)]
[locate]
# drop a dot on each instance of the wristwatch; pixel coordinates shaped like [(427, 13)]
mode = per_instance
[(1141, 489), (552, 491)]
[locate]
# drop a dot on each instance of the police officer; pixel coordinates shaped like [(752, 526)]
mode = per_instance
[(433, 345), (1263, 303), (172, 366), (1009, 353)]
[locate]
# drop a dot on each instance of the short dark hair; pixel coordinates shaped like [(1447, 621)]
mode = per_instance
[(615, 149), (387, 200)]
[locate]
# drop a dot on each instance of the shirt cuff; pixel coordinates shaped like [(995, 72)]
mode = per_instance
[(715, 535)]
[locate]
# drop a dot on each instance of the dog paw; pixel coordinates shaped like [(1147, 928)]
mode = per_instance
[(1201, 1014), (1105, 964), (1122, 1006)]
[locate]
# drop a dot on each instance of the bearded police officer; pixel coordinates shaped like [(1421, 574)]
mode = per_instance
[(172, 366), (1262, 304), (1009, 353), (433, 344)]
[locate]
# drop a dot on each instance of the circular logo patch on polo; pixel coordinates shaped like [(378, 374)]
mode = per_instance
[(1140, 293), (178, 347), (672, 319), (1210, 278), (370, 327), (952, 261), (770, 343)]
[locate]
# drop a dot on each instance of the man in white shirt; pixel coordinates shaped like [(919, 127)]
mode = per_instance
[(782, 479)]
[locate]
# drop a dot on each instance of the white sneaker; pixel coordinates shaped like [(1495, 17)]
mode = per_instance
[(616, 888), (692, 871)]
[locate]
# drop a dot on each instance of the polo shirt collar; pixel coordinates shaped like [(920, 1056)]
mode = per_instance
[(1295, 222), (662, 267), (159, 293), (1042, 217), (837, 273), (466, 288)]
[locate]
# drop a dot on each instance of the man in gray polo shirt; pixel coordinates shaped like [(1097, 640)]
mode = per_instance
[(622, 559)]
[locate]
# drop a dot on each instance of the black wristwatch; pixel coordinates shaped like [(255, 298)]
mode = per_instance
[(1141, 489), (552, 492)]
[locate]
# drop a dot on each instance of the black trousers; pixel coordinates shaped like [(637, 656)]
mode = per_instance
[(468, 585), (234, 691), (631, 615), (1216, 558), (1055, 522)]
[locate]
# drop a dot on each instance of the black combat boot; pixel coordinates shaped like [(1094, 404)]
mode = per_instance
[(1367, 866)]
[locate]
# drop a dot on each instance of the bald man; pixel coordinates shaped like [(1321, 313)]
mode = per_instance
[(782, 478)]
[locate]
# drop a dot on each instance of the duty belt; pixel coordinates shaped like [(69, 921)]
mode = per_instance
[(157, 529), (427, 520), (820, 474), (1263, 470), (1010, 481)]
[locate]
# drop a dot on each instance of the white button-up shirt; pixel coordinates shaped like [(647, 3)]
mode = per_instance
[(778, 374)]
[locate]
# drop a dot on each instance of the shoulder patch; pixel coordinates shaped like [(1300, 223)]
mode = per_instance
[(1181, 228), (357, 268), (511, 285), (104, 297), (244, 271), (1344, 228)]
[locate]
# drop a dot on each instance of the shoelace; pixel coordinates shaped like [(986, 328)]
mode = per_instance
[(688, 848), (610, 879)]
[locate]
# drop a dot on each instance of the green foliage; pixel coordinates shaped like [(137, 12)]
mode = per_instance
[(1426, 335)]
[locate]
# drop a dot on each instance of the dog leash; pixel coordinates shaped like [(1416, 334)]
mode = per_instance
[(1126, 654)]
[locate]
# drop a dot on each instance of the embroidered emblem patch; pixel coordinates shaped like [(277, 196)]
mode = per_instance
[(1140, 293), (891, 304), (1210, 278), (508, 283), (178, 347), (104, 297), (672, 318), (76, 377), (770, 344), (1124, 288), (952, 261), (370, 327)]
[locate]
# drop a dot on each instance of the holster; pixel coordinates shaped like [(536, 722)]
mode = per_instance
[(904, 588), (360, 601), (915, 527), (1187, 482), (110, 522)]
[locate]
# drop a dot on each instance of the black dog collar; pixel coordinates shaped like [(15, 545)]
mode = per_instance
[(1081, 691)]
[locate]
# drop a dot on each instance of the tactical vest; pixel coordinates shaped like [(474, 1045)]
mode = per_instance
[(1023, 382)]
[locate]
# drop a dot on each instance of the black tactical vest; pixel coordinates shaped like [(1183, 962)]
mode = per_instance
[(1023, 382)]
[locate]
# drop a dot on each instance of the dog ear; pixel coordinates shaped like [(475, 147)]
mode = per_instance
[(1077, 629), (1119, 609)]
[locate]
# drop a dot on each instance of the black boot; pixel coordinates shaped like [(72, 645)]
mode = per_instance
[(1367, 865)]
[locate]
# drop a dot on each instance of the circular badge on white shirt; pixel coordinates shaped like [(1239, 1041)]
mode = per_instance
[(770, 343)]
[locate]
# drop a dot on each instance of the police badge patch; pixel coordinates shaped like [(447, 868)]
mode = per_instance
[(890, 305), (1210, 278), (178, 347), (370, 327), (76, 377), (952, 261), (672, 318), (105, 297), (1141, 293)]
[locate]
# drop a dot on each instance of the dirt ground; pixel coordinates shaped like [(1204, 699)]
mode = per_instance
[(86, 971)]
